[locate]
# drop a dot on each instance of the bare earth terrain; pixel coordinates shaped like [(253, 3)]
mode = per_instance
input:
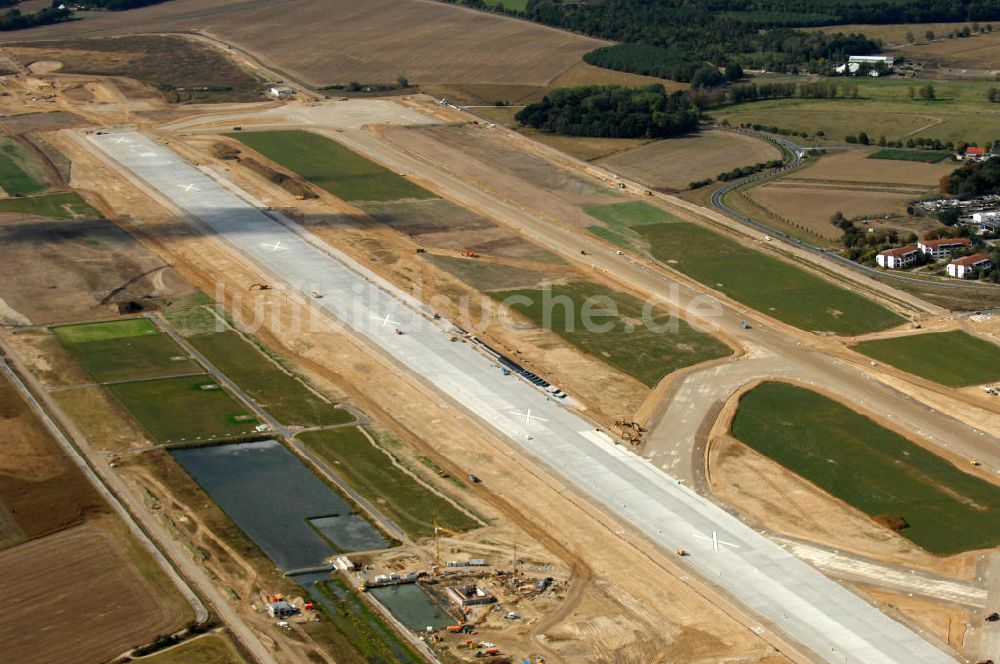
[(336, 41)]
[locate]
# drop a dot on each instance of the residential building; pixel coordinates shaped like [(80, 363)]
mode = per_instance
[(969, 267), (899, 257), (942, 248)]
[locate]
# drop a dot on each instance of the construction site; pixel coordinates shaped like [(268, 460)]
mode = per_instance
[(351, 296)]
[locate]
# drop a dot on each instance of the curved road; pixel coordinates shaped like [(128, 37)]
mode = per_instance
[(798, 153)]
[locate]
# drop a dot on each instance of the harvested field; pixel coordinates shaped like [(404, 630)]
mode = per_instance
[(767, 284), (184, 70), (58, 270), (872, 468), (673, 163), (428, 42), (979, 52), (331, 166), (102, 419), (586, 74), (813, 206), (192, 408), (128, 349), (59, 205), (41, 491), (859, 167), (895, 33), (370, 471), (443, 225), (954, 358), (617, 328), (88, 602)]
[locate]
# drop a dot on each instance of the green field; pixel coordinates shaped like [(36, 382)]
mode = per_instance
[(370, 472), (643, 351), (282, 395), (60, 205), (766, 284), (174, 410), (871, 468), (207, 649), (331, 166), (924, 156), (128, 349), (353, 631), (18, 172), (518, 5), (960, 112), (955, 359)]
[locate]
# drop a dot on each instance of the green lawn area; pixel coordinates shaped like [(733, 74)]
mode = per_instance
[(647, 345), (126, 349), (16, 173), (353, 631), (925, 156), (767, 284), (370, 472), (207, 649), (190, 408), (59, 205), (280, 394), (871, 468), (955, 359), (883, 108), (332, 166), (519, 5)]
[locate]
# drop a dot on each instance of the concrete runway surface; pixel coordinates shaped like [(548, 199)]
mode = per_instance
[(788, 594)]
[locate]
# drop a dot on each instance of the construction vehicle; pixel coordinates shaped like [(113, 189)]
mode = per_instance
[(421, 250), (474, 479), (468, 253), (975, 462), (437, 552), (316, 295), (461, 628), (259, 287), (993, 617), (682, 552), (745, 325)]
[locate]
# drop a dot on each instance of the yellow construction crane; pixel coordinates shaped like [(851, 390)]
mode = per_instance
[(437, 545)]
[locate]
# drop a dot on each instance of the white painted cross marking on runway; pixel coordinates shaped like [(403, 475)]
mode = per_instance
[(188, 187), (120, 139), (528, 416), (274, 246), (386, 320), (716, 541)]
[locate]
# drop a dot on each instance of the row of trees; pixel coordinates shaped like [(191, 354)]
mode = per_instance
[(612, 112), (110, 5)]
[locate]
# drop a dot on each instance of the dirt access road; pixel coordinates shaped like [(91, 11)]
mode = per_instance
[(772, 349)]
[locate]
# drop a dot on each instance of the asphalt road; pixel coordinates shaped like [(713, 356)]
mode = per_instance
[(789, 595), (798, 152)]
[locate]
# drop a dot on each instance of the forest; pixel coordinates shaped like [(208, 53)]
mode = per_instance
[(677, 37), (612, 112), (973, 179)]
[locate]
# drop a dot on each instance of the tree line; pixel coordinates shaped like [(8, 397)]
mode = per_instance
[(612, 111), (15, 20)]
